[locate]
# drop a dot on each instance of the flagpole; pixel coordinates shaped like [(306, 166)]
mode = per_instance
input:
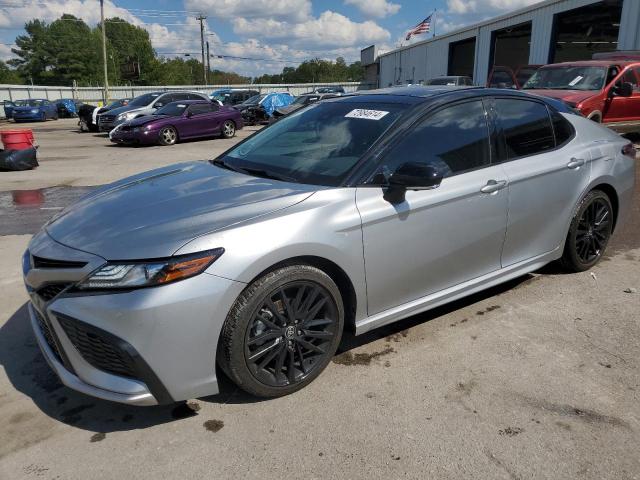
[(434, 22)]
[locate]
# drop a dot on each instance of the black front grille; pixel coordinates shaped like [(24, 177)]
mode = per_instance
[(40, 262), (51, 291), (98, 348), (48, 336), (106, 118)]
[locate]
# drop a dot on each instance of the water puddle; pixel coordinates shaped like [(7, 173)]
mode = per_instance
[(25, 211)]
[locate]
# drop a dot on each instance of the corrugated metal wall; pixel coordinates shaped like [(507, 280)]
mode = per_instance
[(431, 57)]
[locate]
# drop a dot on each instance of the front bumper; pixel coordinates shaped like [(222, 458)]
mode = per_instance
[(164, 338), (144, 137), (27, 117)]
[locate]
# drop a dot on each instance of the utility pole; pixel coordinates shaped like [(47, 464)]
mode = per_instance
[(201, 18), (208, 64), (104, 54)]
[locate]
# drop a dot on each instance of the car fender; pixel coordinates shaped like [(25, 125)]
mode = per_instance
[(259, 244)]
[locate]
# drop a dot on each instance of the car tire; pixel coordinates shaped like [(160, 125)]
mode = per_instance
[(589, 232), (228, 129), (282, 331), (43, 117), (168, 136)]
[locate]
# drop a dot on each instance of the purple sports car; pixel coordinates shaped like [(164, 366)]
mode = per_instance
[(179, 121)]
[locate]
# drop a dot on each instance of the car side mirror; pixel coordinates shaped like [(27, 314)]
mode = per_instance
[(189, 114), (158, 105), (624, 89), (411, 176)]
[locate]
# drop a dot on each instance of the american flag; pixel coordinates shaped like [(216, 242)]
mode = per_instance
[(423, 27)]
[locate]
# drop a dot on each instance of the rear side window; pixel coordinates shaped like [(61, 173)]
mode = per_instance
[(199, 109), (562, 129), (526, 126), (453, 140)]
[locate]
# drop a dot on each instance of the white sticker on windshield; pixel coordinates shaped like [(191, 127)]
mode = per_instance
[(575, 80), (366, 114), (181, 105)]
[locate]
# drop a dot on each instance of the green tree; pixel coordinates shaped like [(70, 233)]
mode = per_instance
[(130, 52), (9, 75)]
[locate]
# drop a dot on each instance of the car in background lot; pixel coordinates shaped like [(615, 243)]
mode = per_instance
[(259, 108), (329, 90), (354, 212), (35, 110), (8, 106), (505, 77), (68, 107), (178, 121), (605, 91), (144, 105), (232, 96), (452, 81), (299, 102)]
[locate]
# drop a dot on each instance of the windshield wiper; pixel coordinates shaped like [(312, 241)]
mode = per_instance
[(259, 172), (218, 162)]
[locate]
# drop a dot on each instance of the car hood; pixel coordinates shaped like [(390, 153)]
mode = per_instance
[(572, 96), (143, 120), (153, 214), (25, 109), (126, 108)]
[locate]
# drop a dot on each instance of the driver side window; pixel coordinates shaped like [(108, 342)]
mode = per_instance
[(453, 140)]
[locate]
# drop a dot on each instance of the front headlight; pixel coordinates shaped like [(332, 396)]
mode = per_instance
[(127, 115), (134, 274), (34, 110)]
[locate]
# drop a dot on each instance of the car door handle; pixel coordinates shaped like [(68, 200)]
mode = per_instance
[(575, 163), (493, 186)]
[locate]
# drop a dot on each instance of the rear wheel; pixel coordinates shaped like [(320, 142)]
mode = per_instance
[(168, 136), (589, 232), (282, 331), (228, 129)]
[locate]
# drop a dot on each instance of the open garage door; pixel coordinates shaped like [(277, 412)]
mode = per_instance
[(462, 57), (510, 46), (581, 32)]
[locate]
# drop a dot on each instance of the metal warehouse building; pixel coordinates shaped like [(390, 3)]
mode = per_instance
[(548, 32)]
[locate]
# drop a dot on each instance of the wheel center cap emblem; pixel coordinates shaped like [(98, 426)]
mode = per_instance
[(290, 332)]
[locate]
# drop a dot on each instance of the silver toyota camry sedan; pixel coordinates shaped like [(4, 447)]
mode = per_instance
[(348, 214)]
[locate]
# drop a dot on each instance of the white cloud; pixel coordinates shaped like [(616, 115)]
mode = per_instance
[(292, 10), (330, 29), (462, 7), (11, 17), (374, 8)]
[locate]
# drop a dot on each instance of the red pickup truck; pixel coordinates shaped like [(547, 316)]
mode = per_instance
[(606, 91)]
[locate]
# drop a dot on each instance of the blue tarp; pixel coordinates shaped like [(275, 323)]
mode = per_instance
[(69, 105), (274, 101)]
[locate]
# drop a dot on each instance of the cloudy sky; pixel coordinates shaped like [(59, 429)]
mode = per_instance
[(277, 32)]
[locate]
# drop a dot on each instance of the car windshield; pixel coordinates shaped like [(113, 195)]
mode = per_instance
[(29, 103), (316, 145), (174, 109), (443, 81), (567, 78), (254, 100), (144, 100), (220, 96), (301, 100)]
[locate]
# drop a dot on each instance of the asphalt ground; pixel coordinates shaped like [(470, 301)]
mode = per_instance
[(538, 378)]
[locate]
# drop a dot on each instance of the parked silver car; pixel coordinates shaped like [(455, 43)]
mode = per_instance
[(141, 105), (350, 213)]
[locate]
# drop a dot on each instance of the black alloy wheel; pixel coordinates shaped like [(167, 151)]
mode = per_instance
[(282, 331), (290, 334), (589, 233)]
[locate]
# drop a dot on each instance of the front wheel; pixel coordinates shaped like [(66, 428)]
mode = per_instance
[(43, 117), (168, 136), (589, 232), (282, 331), (228, 129)]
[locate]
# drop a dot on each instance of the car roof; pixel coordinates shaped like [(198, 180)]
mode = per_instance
[(436, 94), (189, 102), (591, 63)]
